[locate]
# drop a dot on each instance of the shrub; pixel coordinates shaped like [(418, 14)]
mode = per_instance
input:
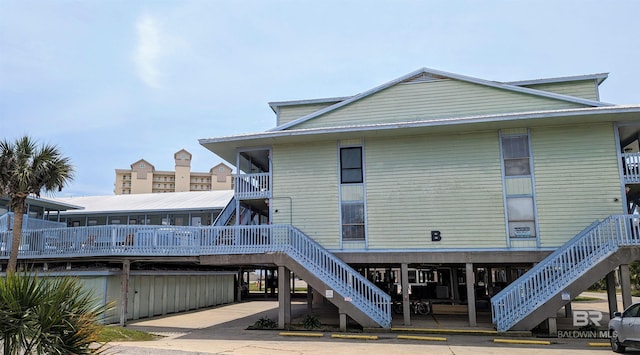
[(311, 322), (265, 323), (48, 315)]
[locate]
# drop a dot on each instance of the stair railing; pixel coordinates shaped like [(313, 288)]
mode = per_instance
[(561, 268), (339, 276), (226, 213), (350, 284)]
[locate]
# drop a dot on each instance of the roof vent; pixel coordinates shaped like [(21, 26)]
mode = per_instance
[(423, 77)]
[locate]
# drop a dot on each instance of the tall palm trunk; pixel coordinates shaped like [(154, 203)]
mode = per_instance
[(18, 215)]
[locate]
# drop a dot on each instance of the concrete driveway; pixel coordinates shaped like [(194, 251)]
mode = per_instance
[(222, 330)]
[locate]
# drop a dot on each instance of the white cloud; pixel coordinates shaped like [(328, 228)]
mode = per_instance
[(148, 50)]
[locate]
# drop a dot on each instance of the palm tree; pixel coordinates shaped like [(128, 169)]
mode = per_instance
[(26, 169)]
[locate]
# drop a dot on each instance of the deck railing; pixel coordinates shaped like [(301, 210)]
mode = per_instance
[(139, 240), (252, 186), (6, 222), (561, 268), (631, 167)]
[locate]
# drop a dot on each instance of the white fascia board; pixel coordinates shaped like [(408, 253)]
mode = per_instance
[(600, 77), (620, 109), (277, 104), (523, 90)]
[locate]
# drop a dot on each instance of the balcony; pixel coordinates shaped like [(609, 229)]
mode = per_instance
[(360, 298), (631, 167), (252, 186)]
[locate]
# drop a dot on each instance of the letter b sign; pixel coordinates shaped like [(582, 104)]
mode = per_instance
[(436, 236)]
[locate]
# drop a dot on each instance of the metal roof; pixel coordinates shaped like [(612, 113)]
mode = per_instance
[(599, 78), (275, 105), (49, 204), (155, 202)]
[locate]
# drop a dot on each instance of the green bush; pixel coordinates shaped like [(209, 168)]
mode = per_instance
[(311, 322), (265, 323), (48, 315)]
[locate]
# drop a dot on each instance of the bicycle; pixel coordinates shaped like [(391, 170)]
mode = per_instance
[(416, 306)]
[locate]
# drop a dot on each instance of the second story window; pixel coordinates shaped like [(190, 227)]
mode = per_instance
[(351, 165), (515, 150), (352, 204), (518, 185)]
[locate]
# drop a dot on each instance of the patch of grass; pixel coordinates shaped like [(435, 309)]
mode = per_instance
[(115, 333), (586, 299)]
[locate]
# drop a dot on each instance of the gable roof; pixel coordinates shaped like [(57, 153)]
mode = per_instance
[(175, 155), (142, 161), (425, 74), (221, 164)]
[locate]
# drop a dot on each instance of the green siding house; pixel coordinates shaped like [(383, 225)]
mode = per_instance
[(484, 195)]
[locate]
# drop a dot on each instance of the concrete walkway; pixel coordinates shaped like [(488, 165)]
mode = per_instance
[(223, 330)]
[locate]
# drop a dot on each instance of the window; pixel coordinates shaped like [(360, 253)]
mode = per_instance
[(519, 189), (351, 165), (352, 204), (221, 169), (352, 221), (515, 150), (632, 311)]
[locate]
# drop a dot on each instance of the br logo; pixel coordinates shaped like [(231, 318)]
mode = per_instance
[(582, 318)]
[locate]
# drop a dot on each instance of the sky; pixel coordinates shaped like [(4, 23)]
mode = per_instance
[(112, 82)]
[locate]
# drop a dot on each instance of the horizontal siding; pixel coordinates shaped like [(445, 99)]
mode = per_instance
[(451, 184), (577, 179), (435, 99), (306, 176), (290, 113), (586, 89)]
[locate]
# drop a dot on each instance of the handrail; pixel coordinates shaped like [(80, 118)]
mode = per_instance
[(146, 240), (631, 167), (252, 186), (6, 222), (561, 268), (341, 277), (226, 213)]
